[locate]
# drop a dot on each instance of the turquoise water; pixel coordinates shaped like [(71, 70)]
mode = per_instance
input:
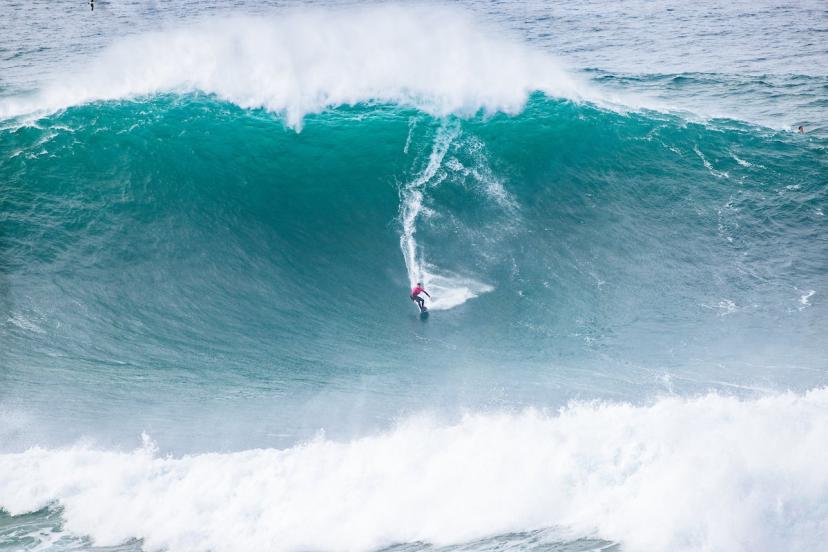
[(209, 229)]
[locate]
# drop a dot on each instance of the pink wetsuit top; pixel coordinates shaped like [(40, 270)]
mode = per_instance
[(416, 291)]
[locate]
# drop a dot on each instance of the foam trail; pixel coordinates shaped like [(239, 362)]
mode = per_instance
[(447, 290), (708, 165), (707, 473), (411, 204), (297, 62)]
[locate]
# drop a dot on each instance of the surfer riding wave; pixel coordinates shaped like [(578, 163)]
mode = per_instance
[(415, 296)]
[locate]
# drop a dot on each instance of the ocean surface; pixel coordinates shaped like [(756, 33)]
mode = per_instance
[(211, 214)]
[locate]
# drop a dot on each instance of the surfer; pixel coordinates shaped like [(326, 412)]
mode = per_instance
[(415, 295), (801, 129)]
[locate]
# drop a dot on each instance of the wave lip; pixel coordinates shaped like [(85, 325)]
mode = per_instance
[(707, 473), (299, 62)]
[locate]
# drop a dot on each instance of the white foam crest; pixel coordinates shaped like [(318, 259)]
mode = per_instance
[(303, 61), (705, 473)]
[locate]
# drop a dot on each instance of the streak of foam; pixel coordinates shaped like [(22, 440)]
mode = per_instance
[(680, 474), (724, 307), (741, 161), (708, 166), (23, 323), (412, 124), (411, 205), (805, 299), (448, 290)]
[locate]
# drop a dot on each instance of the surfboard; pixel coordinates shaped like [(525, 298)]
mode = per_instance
[(423, 314)]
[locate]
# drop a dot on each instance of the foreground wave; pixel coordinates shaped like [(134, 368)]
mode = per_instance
[(706, 473)]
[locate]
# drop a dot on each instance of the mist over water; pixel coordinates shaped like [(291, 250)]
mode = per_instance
[(210, 220)]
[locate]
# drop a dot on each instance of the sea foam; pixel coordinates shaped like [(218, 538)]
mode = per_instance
[(679, 474), (298, 62)]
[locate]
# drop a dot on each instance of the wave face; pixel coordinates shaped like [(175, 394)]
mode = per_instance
[(210, 242)]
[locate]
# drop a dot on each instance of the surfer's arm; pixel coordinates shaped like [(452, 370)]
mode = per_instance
[(427, 293)]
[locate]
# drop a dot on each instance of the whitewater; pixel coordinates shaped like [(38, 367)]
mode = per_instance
[(709, 473), (211, 217), (307, 60)]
